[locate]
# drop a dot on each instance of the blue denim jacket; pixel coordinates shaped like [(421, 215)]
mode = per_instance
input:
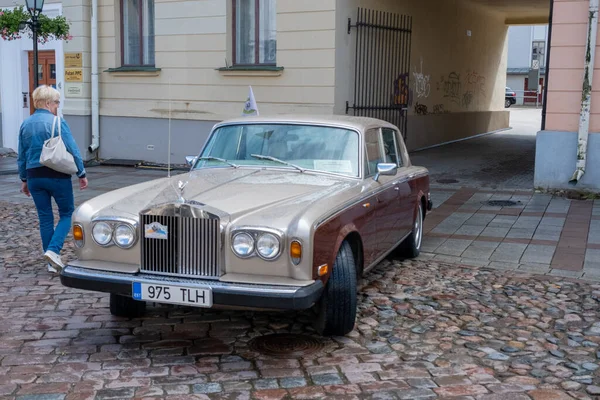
[(34, 131)]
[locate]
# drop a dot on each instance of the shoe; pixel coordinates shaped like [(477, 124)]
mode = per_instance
[(54, 259), (52, 269)]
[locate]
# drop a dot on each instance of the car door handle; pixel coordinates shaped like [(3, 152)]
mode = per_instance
[(397, 188)]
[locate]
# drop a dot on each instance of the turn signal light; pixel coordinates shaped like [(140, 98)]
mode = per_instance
[(296, 250), (77, 232), (323, 269)]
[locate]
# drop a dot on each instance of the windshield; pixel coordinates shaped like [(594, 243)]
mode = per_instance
[(301, 147)]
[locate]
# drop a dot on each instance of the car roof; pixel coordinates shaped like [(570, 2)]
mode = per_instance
[(343, 121)]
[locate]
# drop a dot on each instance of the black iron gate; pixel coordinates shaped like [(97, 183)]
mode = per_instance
[(382, 66)]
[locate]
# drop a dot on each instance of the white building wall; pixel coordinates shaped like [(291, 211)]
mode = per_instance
[(516, 83), (14, 78), (519, 46), (540, 32)]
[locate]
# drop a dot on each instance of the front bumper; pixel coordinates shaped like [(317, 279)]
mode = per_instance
[(224, 293)]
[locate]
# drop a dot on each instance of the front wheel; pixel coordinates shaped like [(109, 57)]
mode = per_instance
[(411, 247), (337, 306)]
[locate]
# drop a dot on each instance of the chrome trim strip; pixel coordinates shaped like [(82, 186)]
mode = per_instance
[(158, 279), (352, 202), (378, 260), (114, 219)]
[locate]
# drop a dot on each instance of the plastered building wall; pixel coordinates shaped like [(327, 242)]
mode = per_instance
[(457, 68)]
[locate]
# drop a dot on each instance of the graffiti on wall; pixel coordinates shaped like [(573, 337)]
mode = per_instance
[(466, 90), (439, 109), (422, 85), (421, 109), (402, 92), (451, 86), (467, 99), (476, 83)]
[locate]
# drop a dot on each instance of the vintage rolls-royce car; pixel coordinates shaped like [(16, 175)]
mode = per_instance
[(278, 212)]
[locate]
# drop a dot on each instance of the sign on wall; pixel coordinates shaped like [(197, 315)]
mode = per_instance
[(73, 60), (74, 90), (73, 67), (73, 74)]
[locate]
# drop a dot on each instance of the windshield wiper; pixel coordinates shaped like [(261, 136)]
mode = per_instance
[(218, 159), (261, 157)]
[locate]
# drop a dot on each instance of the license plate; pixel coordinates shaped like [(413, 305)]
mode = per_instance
[(189, 296)]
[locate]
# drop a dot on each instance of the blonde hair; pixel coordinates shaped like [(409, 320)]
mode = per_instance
[(43, 94)]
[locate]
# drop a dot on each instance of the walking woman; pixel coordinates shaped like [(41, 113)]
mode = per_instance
[(43, 183)]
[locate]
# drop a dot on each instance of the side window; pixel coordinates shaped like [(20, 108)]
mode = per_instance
[(372, 151), (391, 146)]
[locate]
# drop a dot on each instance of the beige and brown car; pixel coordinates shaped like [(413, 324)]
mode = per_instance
[(278, 212)]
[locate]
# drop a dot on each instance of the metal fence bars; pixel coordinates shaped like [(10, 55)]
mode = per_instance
[(382, 66)]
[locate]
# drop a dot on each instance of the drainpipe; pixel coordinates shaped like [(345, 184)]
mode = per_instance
[(547, 74), (95, 103), (586, 93)]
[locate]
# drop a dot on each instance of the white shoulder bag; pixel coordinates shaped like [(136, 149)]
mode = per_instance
[(55, 154)]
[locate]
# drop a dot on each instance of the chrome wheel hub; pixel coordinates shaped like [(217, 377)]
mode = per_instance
[(419, 228)]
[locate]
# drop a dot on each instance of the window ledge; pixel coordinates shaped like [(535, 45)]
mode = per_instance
[(134, 71), (258, 70)]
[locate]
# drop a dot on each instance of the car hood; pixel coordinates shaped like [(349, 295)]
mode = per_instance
[(237, 192)]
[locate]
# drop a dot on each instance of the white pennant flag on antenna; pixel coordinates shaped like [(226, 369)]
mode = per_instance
[(250, 108)]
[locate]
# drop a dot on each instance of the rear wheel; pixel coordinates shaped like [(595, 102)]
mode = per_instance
[(123, 306), (507, 103), (411, 247), (337, 307)]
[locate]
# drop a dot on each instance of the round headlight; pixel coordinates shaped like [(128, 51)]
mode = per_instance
[(268, 246), (243, 244), (124, 235), (102, 233)]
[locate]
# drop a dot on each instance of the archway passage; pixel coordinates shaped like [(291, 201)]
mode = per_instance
[(494, 155), (502, 160)]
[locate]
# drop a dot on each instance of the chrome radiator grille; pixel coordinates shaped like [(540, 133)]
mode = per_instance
[(191, 248)]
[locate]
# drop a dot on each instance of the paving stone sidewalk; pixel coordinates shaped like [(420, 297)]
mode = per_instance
[(539, 233)]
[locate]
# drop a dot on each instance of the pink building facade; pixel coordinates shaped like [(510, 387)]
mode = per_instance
[(564, 136)]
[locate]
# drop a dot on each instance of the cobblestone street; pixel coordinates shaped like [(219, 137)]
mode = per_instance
[(425, 329), (492, 309)]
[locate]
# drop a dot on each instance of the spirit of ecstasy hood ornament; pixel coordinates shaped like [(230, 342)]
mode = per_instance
[(181, 185)]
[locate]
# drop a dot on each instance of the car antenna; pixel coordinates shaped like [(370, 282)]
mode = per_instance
[(169, 144)]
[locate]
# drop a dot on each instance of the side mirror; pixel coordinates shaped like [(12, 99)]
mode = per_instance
[(385, 169), (190, 160)]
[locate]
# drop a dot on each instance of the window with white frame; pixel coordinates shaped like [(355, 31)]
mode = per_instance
[(254, 33), (137, 33), (538, 52)]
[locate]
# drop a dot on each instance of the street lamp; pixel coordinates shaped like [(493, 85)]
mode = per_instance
[(35, 8)]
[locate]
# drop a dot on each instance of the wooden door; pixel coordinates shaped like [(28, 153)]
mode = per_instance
[(46, 72)]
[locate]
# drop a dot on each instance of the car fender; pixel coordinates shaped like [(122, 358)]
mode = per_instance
[(343, 233)]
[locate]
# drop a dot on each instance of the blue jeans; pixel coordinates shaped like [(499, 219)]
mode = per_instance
[(42, 190)]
